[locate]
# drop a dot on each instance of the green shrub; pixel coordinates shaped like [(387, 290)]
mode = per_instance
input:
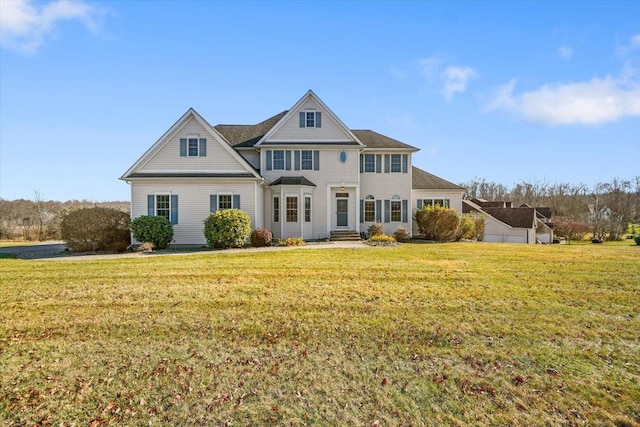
[(96, 229), (153, 229), (466, 227), (637, 240), (401, 234), (291, 241), (478, 229), (227, 228), (375, 229), (437, 223), (261, 237)]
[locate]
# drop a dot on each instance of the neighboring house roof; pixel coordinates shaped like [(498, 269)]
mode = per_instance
[(515, 217), (375, 140), (424, 180), (293, 180), (239, 136), (469, 207)]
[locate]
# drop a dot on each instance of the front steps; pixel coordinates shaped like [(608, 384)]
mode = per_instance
[(345, 236)]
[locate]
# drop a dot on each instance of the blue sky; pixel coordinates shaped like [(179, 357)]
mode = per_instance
[(502, 91)]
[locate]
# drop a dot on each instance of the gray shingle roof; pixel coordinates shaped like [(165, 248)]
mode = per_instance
[(375, 140), (189, 175), (425, 180), (293, 180), (515, 217), (239, 136)]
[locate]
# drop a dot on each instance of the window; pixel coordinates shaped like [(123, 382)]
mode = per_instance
[(307, 209), (396, 163), (396, 211), (310, 119), (163, 205), (278, 159), (276, 209), (443, 203), (343, 156), (307, 160), (192, 144), (292, 209), (224, 201), (369, 163), (369, 209)]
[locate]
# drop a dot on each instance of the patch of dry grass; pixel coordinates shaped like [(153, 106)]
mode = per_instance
[(451, 334)]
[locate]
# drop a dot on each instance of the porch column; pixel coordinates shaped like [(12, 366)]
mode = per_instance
[(358, 208)]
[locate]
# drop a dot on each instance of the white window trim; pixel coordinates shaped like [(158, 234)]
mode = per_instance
[(391, 210), (364, 213), (302, 162), (273, 160), (286, 218), (224, 194), (391, 163), (346, 156), (364, 159), (190, 137), (155, 204)]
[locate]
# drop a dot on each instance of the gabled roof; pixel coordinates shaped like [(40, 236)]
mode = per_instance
[(469, 207), (375, 140), (294, 110), (179, 124), (515, 217), (245, 136), (293, 180), (422, 180)]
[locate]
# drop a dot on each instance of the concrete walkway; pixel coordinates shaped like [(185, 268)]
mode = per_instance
[(56, 251)]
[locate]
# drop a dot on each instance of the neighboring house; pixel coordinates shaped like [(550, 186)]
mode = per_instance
[(602, 214), (504, 223), (301, 173)]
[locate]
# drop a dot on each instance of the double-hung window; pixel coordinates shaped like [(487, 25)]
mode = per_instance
[(278, 159), (369, 209), (276, 209), (443, 203), (307, 208), (307, 160), (396, 211), (396, 163), (192, 147), (310, 119), (369, 163), (292, 209), (163, 205)]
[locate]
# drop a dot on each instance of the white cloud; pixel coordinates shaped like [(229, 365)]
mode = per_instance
[(25, 26), (430, 67), (456, 79), (635, 40), (592, 102), (565, 52)]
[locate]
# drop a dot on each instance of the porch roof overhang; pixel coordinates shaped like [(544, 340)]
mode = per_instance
[(292, 180)]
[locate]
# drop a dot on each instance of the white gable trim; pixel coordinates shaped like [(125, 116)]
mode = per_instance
[(295, 109), (182, 121)]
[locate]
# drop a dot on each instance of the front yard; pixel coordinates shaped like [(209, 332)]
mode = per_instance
[(440, 334)]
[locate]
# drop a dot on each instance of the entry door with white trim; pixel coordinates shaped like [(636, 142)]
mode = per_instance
[(342, 212)]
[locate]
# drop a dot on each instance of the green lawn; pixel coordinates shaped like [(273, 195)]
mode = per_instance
[(433, 334)]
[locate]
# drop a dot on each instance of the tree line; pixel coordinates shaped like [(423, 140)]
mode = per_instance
[(39, 219), (606, 210)]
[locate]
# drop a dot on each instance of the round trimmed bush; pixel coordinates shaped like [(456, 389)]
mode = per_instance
[(261, 237), (96, 229), (401, 234), (375, 229), (228, 228), (153, 229)]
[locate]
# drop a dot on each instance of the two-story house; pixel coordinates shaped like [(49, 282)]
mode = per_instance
[(301, 173)]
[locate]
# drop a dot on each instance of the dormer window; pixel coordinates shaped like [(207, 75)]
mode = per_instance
[(310, 119)]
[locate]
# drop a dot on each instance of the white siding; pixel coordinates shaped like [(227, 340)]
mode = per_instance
[(291, 130), (168, 157), (455, 200), (496, 231), (193, 203), (252, 157)]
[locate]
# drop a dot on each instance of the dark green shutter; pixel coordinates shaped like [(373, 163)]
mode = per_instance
[(405, 210), (236, 201), (269, 159), (183, 147), (174, 209), (316, 160), (361, 163), (378, 163), (387, 163), (361, 211), (318, 119), (203, 147), (213, 203), (296, 160), (151, 209), (378, 210), (405, 163), (288, 160), (387, 211), (302, 120)]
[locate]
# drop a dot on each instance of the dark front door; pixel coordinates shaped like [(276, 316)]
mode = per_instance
[(342, 212)]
